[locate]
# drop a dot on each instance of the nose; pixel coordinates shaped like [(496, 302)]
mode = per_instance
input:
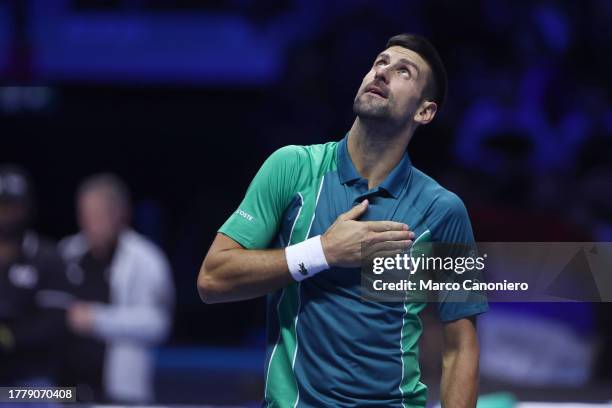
[(381, 73)]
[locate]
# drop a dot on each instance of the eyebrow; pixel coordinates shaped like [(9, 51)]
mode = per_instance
[(401, 61)]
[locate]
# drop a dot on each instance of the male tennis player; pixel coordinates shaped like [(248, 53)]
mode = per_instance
[(317, 205)]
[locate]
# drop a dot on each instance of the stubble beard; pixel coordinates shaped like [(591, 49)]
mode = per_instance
[(377, 116), (368, 109)]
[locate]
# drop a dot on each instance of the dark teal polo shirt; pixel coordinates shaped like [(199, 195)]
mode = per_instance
[(326, 345)]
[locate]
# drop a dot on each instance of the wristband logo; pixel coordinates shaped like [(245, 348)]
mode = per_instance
[(303, 269)]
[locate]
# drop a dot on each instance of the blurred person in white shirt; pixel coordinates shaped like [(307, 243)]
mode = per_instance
[(125, 298)]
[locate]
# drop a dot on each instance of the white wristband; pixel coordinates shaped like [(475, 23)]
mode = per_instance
[(306, 258)]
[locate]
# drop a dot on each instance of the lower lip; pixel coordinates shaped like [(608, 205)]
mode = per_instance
[(375, 94)]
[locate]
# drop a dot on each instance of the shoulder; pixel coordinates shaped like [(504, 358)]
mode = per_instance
[(142, 249), (438, 201), (445, 214), (72, 246), (292, 166), (40, 248), (436, 196), (42, 255), (448, 204), (298, 154), (287, 153)]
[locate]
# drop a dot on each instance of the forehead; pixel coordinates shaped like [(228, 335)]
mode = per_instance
[(396, 52)]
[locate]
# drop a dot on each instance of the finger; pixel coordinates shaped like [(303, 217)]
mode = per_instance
[(379, 247), (392, 245), (391, 236), (355, 212), (381, 226), (386, 254)]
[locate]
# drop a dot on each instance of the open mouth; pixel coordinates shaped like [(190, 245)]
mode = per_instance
[(376, 91)]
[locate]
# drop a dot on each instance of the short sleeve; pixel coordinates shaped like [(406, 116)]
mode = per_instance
[(256, 221), (453, 233)]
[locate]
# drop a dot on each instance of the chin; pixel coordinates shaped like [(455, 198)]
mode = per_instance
[(372, 112), (370, 109)]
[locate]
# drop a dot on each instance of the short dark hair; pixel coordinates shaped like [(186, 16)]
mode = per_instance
[(436, 87)]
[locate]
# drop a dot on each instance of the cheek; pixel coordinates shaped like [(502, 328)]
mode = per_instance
[(366, 80), (94, 221), (406, 96)]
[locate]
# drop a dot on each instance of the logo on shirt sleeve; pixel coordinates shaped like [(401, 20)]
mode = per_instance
[(244, 214)]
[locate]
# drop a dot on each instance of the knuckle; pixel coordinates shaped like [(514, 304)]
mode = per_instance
[(369, 238)]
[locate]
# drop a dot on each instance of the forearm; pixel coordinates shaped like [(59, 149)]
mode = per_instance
[(459, 387), (231, 273), (237, 274)]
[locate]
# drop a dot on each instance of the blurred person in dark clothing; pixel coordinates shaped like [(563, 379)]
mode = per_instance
[(31, 280), (125, 294)]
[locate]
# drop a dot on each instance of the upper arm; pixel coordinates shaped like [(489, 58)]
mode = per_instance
[(257, 220), (453, 233), (452, 222), (220, 244)]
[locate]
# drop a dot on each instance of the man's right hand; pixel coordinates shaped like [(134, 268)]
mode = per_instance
[(343, 241), (230, 272)]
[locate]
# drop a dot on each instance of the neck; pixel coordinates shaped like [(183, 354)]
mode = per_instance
[(103, 250), (375, 150)]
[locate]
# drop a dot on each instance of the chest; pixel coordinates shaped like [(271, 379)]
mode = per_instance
[(337, 199), (19, 283)]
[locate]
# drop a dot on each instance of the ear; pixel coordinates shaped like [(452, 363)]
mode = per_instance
[(426, 112)]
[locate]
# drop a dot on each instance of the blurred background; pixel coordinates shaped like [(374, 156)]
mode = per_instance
[(184, 99)]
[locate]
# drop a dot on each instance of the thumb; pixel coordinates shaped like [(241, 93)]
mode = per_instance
[(355, 212)]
